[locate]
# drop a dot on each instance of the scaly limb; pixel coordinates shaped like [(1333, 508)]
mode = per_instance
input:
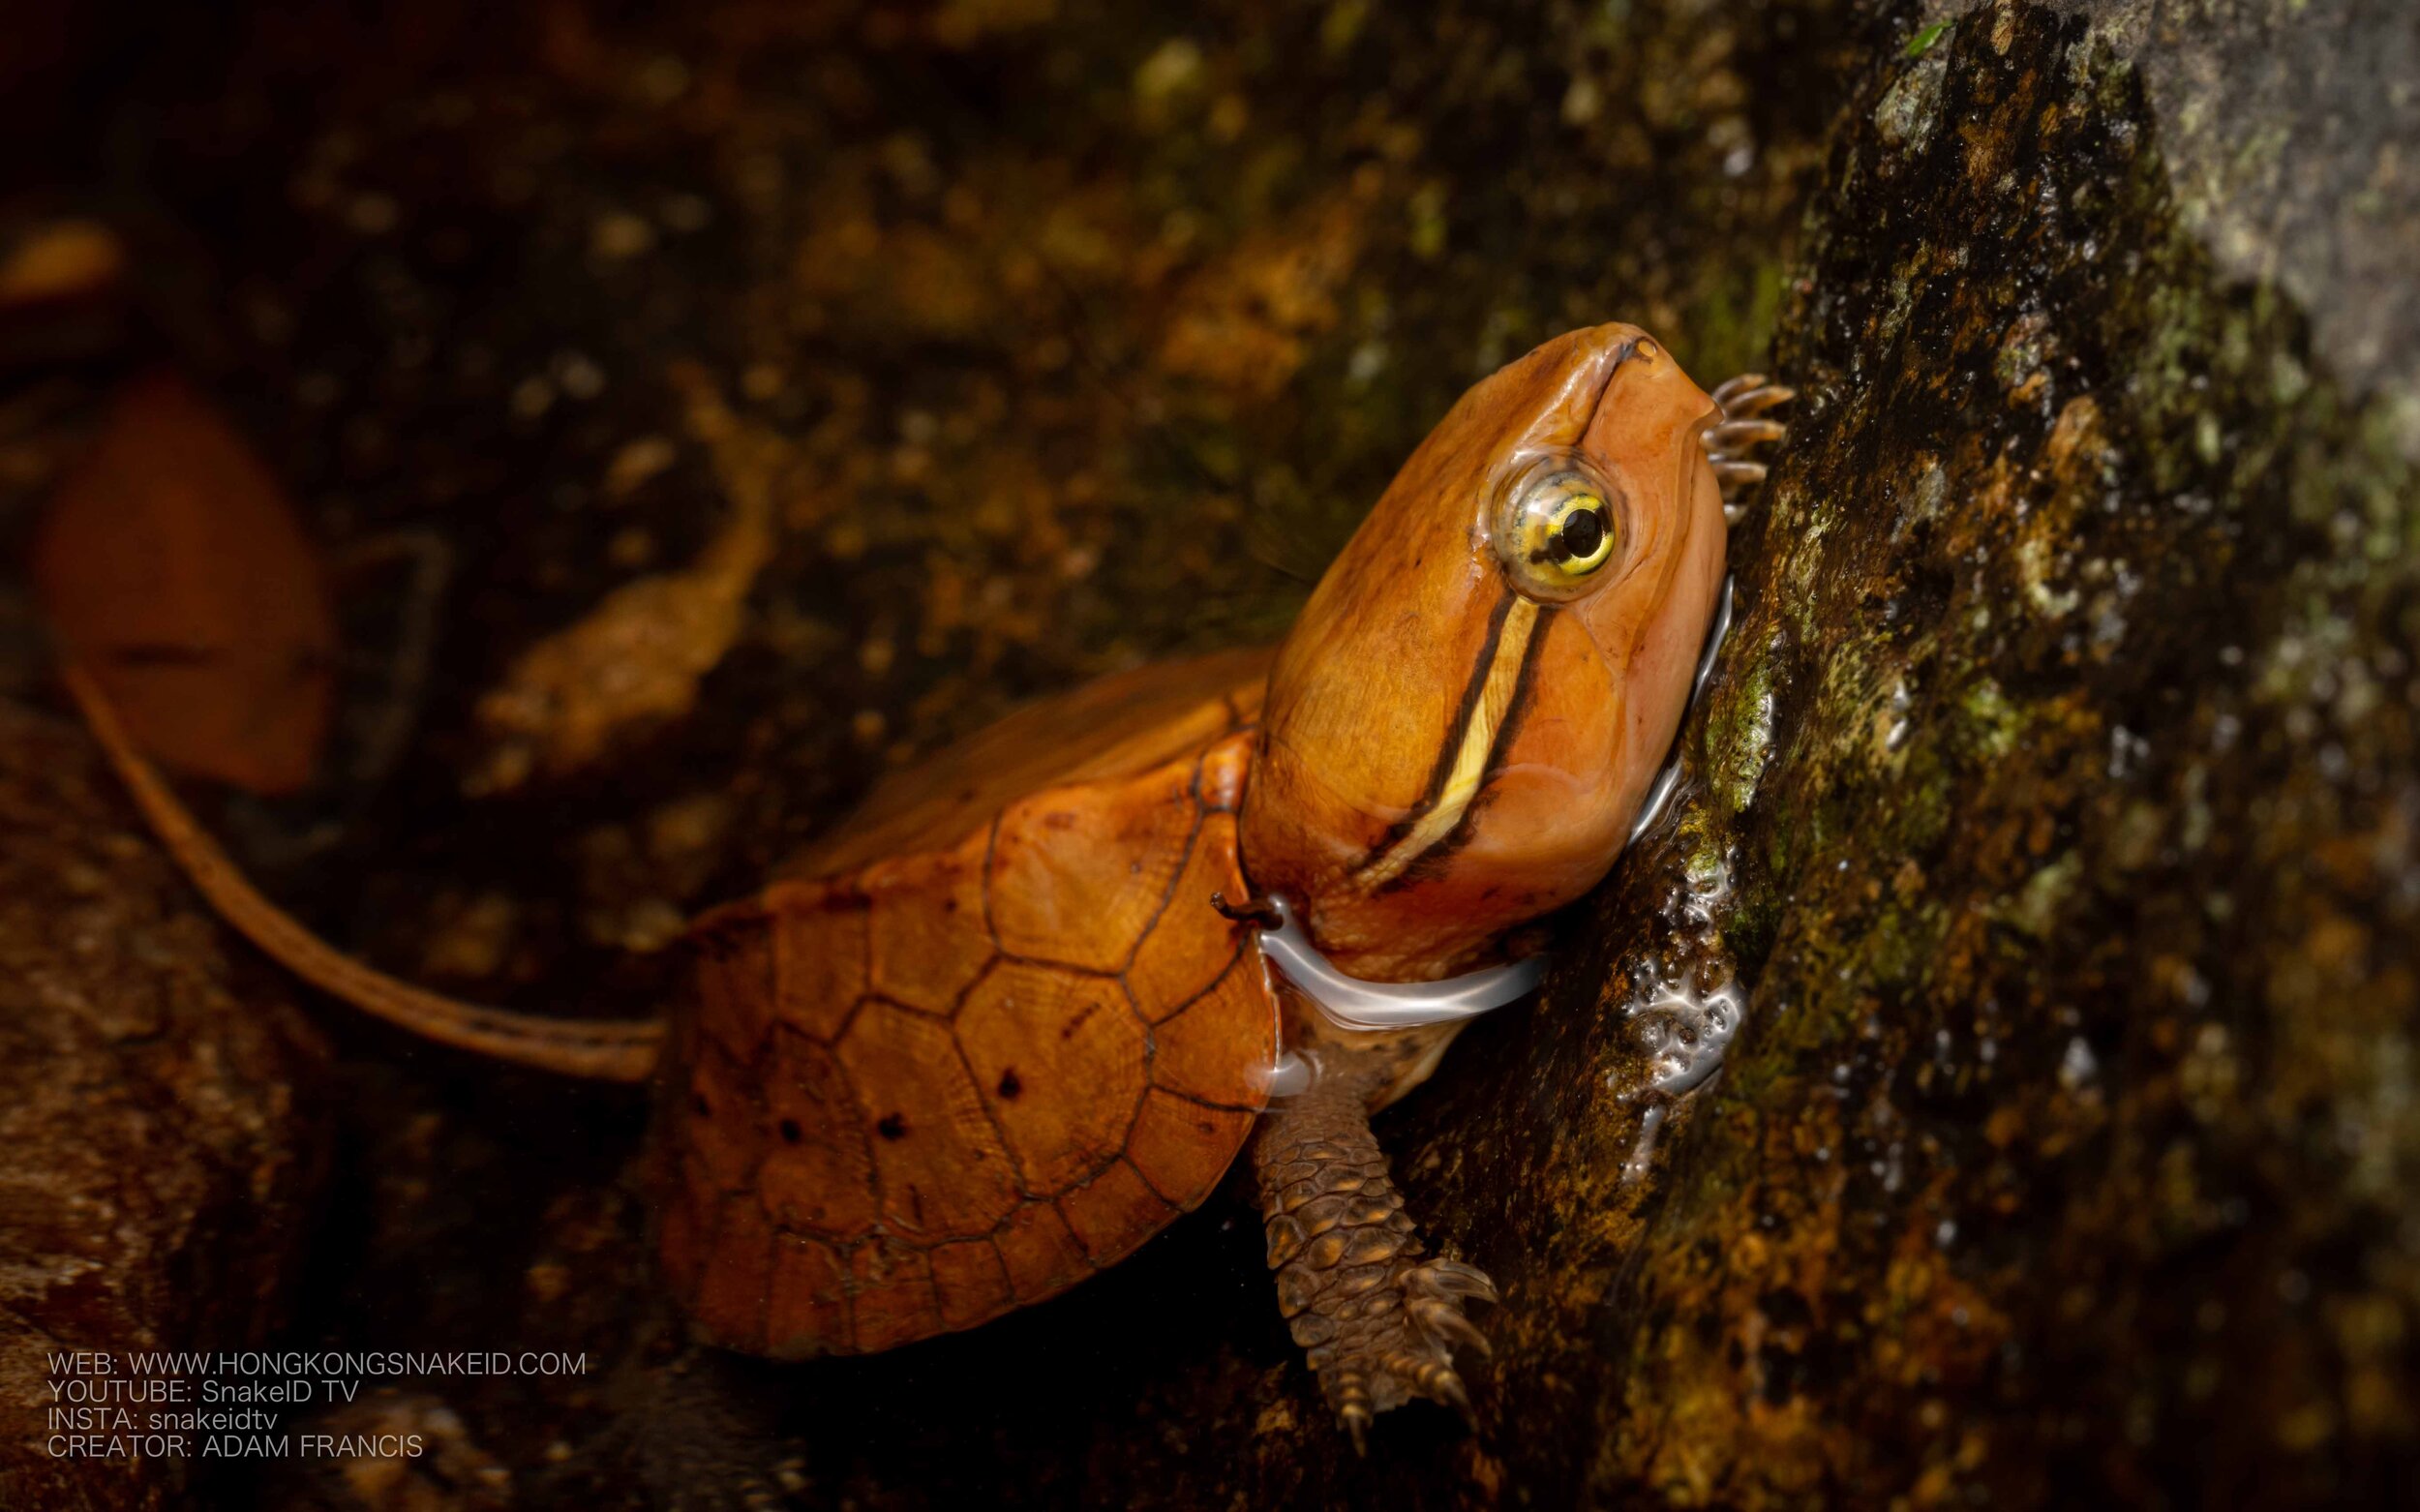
[(1378, 1316), (1730, 441)]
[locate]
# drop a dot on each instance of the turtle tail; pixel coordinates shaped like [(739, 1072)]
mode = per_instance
[(608, 1050)]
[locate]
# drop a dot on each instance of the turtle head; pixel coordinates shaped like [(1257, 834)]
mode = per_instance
[(1462, 726)]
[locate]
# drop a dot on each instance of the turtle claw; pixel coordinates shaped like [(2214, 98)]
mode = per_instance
[(1427, 1371), (1454, 1279), (1729, 441), (1734, 436), (1396, 1342), (1748, 394), (1737, 475), (1444, 1323), (1449, 1389), (1732, 388)]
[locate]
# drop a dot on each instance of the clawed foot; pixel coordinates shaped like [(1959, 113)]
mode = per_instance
[(1743, 429), (1379, 1339), (1378, 1317), (1434, 1294)]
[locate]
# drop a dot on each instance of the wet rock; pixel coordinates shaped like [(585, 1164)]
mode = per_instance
[(2062, 762), (158, 1147)]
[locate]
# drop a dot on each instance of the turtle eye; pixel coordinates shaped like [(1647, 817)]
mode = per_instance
[(1559, 523)]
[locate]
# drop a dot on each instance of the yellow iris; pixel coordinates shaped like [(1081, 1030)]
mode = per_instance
[(1557, 526)]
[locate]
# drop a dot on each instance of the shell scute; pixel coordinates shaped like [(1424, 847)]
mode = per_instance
[(1220, 1049), (808, 1311), (737, 1279), (1191, 944), (890, 1294), (1077, 874), (818, 938), (972, 1283), (1041, 1252), (734, 976), (1225, 768), (1182, 1148), (722, 1120), (941, 1168), (928, 939), (1060, 1059), (818, 1173), (1114, 1212)]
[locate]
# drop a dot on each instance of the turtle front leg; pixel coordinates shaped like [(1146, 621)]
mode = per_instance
[(1378, 1317)]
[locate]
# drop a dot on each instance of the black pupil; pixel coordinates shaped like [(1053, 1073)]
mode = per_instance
[(1583, 532)]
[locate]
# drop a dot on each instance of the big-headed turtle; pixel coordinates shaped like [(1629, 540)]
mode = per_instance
[(1016, 1017)]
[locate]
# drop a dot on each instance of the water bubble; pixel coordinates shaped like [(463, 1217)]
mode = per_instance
[(1686, 1033), (1685, 1006)]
